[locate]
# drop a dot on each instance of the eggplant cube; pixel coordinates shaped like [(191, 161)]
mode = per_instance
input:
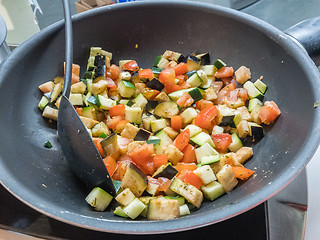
[(163, 209)]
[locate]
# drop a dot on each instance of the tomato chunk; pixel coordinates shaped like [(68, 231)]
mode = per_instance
[(181, 68), (117, 110), (205, 117), (172, 87), (111, 164), (167, 75), (146, 73), (189, 154), (191, 178), (224, 72), (222, 141), (142, 156), (269, 112), (242, 172), (131, 66), (176, 123), (182, 139)]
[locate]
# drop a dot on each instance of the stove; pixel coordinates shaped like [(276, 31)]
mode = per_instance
[(281, 217)]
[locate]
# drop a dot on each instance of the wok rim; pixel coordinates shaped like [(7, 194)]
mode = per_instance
[(151, 227)]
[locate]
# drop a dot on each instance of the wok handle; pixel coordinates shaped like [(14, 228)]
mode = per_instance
[(307, 33)]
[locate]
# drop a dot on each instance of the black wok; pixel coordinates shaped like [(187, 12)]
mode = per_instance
[(41, 178)]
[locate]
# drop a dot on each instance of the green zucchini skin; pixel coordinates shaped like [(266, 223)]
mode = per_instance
[(166, 109)]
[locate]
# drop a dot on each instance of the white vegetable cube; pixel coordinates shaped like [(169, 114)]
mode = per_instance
[(227, 178), (188, 115), (99, 199), (129, 131), (125, 197), (173, 153), (105, 103), (184, 210), (217, 130), (205, 173), (205, 150), (158, 124), (100, 128), (76, 99), (125, 75), (133, 114), (134, 209), (212, 190), (209, 69), (194, 130)]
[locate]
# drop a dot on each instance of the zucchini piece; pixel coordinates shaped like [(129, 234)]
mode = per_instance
[(254, 103), (219, 64), (180, 199), (188, 115), (212, 190), (165, 140), (140, 101), (155, 84), (205, 173), (57, 89), (163, 209), (43, 102), (99, 199), (184, 210), (47, 144), (202, 138), (166, 171), (135, 180), (196, 94), (158, 124), (195, 80), (217, 129), (153, 141), (119, 212), (105, 103), (194, 130), (134, 209), (236, 143), (209, 70), (261, 86), (125, 197), (253, 92), (76, 99), (166, 109), (188, 191), (99, 129), (89, 112), (206, 154), (126, 89), (110, 146), (133, 114)]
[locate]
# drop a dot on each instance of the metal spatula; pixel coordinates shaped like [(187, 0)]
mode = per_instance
[(76, 143)]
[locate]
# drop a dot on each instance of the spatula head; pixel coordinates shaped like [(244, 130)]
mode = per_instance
[(79, 149)]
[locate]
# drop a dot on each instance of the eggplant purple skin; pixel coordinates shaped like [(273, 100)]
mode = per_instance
[(142, 135), (100, 63), (227, 121), (139, 171), (168, 172), (155, 84)]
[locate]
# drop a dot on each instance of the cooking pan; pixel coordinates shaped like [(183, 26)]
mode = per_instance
[(41, 178)]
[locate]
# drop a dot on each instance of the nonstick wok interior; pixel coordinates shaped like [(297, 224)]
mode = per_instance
[(41, 178)]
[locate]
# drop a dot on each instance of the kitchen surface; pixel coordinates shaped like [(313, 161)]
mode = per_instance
[(17, 221)]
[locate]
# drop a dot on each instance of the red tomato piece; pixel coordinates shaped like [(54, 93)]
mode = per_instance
[(172, 87), (182, 140), (159, 160), (222, 141), (269, 112), (111, 164), (189, 154), (142, 156), (167, 75), (205, 117), (224, 72), (117, 110), (185, 166), (225, 92), (185, 100), (97, 143), (111, 83), (181, 68), (242, 172), (114, 71), (202, 104), (146, 73), (131, 66), (176, 123), (192, 179)]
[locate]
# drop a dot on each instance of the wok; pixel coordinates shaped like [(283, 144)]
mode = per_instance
[(42, 179)]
